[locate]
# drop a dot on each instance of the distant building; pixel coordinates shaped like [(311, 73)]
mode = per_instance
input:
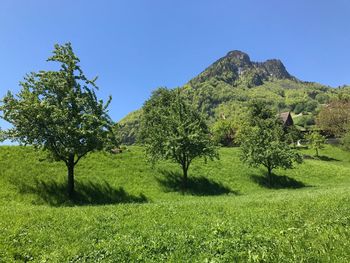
[(286, 119)]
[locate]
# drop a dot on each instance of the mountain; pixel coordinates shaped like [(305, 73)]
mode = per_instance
[(226, 87), (236, 68)]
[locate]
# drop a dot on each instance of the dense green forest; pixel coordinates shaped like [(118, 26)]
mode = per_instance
[(224, 89)]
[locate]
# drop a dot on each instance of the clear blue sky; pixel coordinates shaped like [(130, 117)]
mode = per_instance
[(135, 46)]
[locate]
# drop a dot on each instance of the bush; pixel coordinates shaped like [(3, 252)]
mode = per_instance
[(224, 132), (299, 108), (305, 120)]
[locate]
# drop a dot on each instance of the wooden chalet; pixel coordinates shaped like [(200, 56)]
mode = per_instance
[(287, 119)]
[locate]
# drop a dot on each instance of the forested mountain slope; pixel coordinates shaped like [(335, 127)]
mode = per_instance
[(225, 87)]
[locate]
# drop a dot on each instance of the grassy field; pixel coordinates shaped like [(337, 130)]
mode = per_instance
[(127, 211)]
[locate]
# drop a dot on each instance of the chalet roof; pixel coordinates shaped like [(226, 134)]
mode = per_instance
[(286, 118)]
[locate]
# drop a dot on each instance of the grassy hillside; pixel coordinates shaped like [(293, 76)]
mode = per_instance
[(125, 210)]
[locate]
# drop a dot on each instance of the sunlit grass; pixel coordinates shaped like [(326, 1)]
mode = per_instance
[(126, 210)]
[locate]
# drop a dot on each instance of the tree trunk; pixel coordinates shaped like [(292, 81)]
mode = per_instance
[(70, 166), (184, 170), (269, 175), (316, 152)]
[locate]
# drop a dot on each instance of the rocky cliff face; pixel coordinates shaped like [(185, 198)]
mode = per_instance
[(236, 69)]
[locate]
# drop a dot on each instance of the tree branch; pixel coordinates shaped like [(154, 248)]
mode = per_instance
[(79, 157)]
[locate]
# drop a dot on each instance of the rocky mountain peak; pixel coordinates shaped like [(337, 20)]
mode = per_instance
[(238, 57), (276, 69), (236, 68)]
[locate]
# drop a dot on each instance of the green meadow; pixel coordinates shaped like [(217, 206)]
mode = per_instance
[(125, 210)]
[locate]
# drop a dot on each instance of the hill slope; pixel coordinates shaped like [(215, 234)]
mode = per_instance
[(225, 87), (127, 211)]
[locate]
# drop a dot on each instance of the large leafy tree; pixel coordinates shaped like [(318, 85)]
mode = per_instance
[(59, 112), (172, 129), (335, 117), (263, 140)]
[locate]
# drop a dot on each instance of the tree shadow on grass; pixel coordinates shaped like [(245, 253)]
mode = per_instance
[(277, 182), (320, 157), (327, 158), (202, 186), (86, 193)]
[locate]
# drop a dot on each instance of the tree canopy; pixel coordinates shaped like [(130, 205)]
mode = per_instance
[(335, 117), (224, 132), (316, 141), (59, 111), (172, 129), (263, 140)]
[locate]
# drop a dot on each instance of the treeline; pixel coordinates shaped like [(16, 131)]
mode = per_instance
[(215, 98)]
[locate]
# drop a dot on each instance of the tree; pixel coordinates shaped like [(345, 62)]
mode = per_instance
[(2, 135), (172, 129), (322, 98), (224, 132), (305, 121), (335, 117), (292, 135), (58, 111), (345, 141), (316, 141), (300, 107), (263, 140)]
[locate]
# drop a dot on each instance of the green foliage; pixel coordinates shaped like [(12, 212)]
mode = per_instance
[(234, 80), (2, 135), (172, 129), (58, 111), (305, 120), (128, 128), (335, 117), (263, 141), (292, 135), (299, 108), (214, 98), (345, 141), (322, 98), (316, 141), (224, 132), (260, 112)]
